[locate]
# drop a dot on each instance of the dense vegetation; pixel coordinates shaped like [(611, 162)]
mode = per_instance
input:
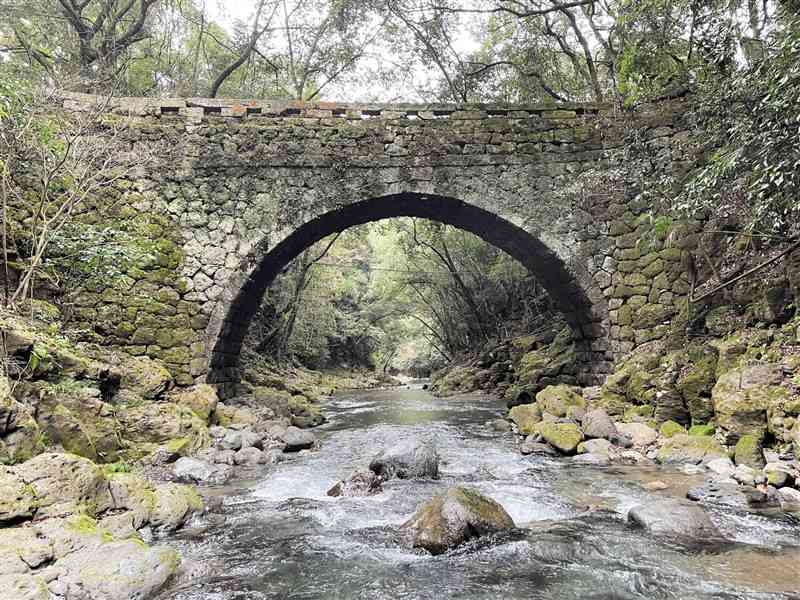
[(402, 294)]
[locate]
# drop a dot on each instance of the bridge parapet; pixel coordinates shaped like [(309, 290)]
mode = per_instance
[(199, 108)]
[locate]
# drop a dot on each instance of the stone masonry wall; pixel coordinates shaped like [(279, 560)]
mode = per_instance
[(232, 181)]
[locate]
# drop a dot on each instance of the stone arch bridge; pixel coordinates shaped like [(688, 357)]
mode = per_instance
[(241, 187)]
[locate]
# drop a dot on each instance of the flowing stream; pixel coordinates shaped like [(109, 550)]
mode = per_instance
[(283, 538)]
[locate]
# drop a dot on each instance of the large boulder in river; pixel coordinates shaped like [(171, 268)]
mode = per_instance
[(297, 439), (742, 398), (410, 459), (454, 517), (673, 517), (564, 437), (525, 417), (557, 399), (597, 424), (360, 483)]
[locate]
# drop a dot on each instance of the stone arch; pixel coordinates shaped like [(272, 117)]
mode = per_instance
[(568, 285)]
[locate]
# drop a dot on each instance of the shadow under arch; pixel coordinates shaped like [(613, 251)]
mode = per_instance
[(566, 291)]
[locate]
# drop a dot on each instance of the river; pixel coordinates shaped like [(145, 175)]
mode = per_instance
[(283, 538)]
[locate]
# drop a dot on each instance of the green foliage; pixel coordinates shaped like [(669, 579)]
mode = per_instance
[(754, 171)]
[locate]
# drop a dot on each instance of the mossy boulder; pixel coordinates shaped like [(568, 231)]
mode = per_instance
[(525, 417), (202, 399), (671, 428), (274, 399), (65, 484), (743, 396), (682, 449), (748, 451), (73, 415), (450, 519), (564, 437), (145, 377), (161, 422), (164, 506), (557, 399), (303, 413)]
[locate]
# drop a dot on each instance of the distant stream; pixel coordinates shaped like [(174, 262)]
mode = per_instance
[(285, 539)]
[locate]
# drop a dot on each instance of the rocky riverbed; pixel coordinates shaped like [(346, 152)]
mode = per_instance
[(489, 521)]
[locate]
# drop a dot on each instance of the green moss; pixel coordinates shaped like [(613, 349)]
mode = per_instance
[(671, 428), (564, 437), (748, 452), (706, 429), (637, 413), (526, 417), (556, 399)]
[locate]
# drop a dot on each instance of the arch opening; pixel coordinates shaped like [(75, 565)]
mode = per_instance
[(564, 287)]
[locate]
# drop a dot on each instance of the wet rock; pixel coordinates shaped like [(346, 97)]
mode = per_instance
[(360, 483), (720, 493), (499, 425), (192, 470), (690, 449), (673, 517), (789, 499), (639, 433), (232, 440), (410, 459), (564, 437), (525, 417), (217, 432), (595, 446), (217, 456), (532, 446), (452, 518), (721, 466), (250, 439), (249, 456), (780, 474), (655, 486), (761, 496), (589, 458), (297, 439), (597, 424)]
